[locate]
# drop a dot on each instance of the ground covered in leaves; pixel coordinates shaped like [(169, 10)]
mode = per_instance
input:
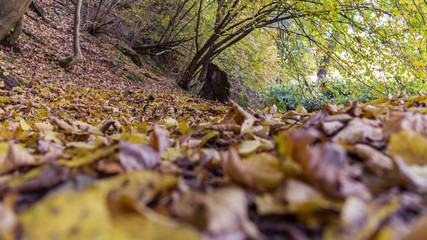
[(43, 43), (88, 154), (124, 165)]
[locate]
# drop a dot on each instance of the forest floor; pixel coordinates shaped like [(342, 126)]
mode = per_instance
[(86, 153)]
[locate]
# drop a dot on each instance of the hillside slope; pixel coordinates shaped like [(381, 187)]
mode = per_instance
[(34, 57)]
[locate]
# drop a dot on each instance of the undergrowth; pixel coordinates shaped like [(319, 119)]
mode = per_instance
[(289, 96)]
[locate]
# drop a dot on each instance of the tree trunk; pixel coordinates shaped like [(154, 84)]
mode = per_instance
[(321, 73), (14, 34), (10, 13), (220, 12), (216, 85), (78, 57)]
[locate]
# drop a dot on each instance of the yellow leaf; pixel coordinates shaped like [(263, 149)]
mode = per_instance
[(24, 124), (183, 127), (171, 154), (110, 209), (170, 122), (89, 157), (249, 146), (208, 136), (81, 145), (301, 109), (410, 146)]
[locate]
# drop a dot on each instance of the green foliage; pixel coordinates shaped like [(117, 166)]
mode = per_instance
[(255, 60), (289, 97)]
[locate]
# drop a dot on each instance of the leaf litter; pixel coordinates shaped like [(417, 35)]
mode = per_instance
[(87, 159), (201, 170)]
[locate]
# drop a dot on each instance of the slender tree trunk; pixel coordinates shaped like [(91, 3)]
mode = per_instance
[(92, 28), (220, 12), (11, 11), (78, 57), (321, 73)]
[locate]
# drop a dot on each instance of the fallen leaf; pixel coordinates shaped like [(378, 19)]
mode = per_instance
[(16, 157), (219, 213), (107, 124), (137, 156), (109, 209), (7, 215), (374, 159), (258, 172), (323, 165), (63, 125), (331, 128), (160, 139), (24, 124), (356, 130), (43, 126), (247, 147), (410, 146)]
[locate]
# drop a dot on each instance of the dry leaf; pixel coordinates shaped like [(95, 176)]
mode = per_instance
[(16, 157), (220, 213), (137, 156), (160, 139), (63, 125)]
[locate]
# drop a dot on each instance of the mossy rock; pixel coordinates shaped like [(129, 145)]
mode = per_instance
[(10, 82)]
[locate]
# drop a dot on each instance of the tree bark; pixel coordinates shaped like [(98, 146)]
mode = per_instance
[(10, 13), (78, 57), (321, 73), (216, 85), (14, 34)]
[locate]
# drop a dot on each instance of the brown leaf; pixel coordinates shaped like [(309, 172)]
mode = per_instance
[(16, 157), (331, 128), (331, 108), (222, 214), (295, 191), (419, 231), (226, 127), (109, 167), (137, 156), (358, 129), (242, 118), (43, 126), (50, 175), (160, 138), (62, 125), (82, 126), (344, 118), (354, 110), (374, 159), (236, 171), (323, 165), (229, 117), (107, 124), (405, 121)]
